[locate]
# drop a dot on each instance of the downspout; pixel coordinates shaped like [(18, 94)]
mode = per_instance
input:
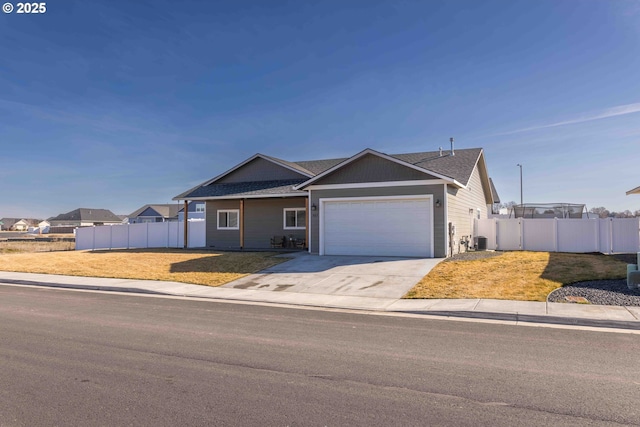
[(186, 222)]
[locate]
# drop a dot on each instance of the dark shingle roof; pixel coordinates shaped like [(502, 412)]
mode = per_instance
[(458, 167), (318, 166), (248, 188), (89, 215), (166, 210)]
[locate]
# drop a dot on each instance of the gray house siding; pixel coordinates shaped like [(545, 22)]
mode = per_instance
[(370, 168), (260, 170), (221, 239), (437, 191), (263, 219), (459, 203)]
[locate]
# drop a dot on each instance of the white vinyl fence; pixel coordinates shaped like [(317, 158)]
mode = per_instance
[(149, 235), (608, 235)]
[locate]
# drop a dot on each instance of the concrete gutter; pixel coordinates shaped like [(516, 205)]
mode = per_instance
[(513, 311)]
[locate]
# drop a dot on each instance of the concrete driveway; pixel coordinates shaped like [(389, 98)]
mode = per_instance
[(379, 277)]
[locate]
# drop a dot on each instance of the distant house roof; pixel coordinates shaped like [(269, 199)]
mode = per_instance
[(455, 168), (87, 215), (494, 192), (9, 222), (167, 210)]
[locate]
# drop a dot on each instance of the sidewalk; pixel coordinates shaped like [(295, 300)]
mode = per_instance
[(515, 311)]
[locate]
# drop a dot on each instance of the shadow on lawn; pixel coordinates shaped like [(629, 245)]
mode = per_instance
[(569, 268), (205, 261)]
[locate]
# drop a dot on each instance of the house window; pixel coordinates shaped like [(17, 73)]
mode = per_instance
[(295, 219), (200, 207), (228, 219)]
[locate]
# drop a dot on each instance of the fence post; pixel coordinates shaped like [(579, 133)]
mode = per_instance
[(147, 243), (93, 239), (128, 245), (610, 236), (555, 234), (110, 237), (520, 222)]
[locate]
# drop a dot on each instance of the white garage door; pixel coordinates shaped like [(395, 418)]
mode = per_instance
[(378, 227)]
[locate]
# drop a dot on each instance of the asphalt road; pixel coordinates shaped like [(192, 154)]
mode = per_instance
[(80, 358)]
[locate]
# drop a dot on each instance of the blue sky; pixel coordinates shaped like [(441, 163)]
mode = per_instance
[(115, 104)]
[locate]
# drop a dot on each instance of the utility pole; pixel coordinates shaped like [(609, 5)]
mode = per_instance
[(521, 200)]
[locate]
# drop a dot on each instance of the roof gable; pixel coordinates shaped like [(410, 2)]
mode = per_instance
[(261, 168), (422, 172), (372, 168)]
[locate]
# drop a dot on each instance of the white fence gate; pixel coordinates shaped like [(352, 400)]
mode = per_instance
[(608, 235), (149, 235)]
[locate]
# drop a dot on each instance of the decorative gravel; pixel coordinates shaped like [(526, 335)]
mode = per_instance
[(600, 292)]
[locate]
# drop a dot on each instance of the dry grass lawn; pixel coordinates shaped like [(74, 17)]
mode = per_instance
[(188, 266), (22, 246), (522, 276)]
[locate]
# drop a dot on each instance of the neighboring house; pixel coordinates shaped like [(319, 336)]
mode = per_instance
[(18, 224), (195, 212), (415, 204), (155, 213), (21, 225), (84, 217)]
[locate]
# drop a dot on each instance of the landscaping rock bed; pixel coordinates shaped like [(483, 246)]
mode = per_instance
[(600, 292)]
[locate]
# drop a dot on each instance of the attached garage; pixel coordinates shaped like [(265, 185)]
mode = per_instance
[(377, 226)]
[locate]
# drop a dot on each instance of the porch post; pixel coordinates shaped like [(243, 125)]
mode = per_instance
[(241, 219), (186, 227), (306, 221)]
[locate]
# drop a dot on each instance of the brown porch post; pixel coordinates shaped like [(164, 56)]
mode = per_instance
[(306, 222), (241, 219), (186, 228)]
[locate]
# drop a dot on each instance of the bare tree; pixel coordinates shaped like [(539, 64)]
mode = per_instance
[(601, 211)]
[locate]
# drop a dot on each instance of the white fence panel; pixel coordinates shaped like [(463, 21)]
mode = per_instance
[(84, 238), (539, 235), (102, 237), (119, 236), (151, 235), (604, 235), (174, 234), (508, 234), (487, 228), (197, 234), (137, 235), (626, 235), (578, 235), (157, 235), (609, 235)]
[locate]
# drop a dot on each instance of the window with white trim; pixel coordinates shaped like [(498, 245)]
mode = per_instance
[(295, 219), (199, 207), (228, 219)]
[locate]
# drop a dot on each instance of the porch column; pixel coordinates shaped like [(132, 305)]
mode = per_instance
[(241, 219), (306, 221), (186, 227)]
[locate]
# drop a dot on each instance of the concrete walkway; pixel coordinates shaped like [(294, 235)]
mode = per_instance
[(511, 311)]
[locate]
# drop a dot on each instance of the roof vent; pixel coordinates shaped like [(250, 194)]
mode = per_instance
[(440, 151), (452, 152)]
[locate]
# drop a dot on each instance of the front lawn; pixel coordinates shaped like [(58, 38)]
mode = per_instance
[(188, 266), (522, 276)]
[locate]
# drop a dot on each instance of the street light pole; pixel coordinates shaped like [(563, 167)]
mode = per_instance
[(521, 202)]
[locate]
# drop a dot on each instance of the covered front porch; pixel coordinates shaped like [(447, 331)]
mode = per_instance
[(278, 223)]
